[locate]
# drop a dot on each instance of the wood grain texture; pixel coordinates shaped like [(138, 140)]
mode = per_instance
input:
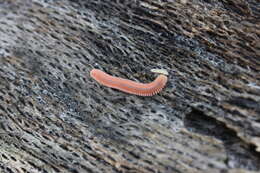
[(54, 118)]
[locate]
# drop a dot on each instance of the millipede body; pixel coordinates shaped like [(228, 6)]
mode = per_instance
[(129, 86)]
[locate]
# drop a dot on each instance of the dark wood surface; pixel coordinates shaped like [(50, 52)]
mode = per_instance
[(55, 118)]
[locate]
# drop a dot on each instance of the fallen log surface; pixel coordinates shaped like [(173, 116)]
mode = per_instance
[(55, 118)]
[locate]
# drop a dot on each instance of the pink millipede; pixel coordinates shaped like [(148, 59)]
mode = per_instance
[(129, 86)]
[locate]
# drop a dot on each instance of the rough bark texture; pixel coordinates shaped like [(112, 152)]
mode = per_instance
[(55, 118)]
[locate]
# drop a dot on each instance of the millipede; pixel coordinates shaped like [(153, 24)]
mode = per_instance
[(129, 86)]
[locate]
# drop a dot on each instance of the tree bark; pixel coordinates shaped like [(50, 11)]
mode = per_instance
[(55, 118)]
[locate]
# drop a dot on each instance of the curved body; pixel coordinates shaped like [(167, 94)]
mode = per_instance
[(129, 86)]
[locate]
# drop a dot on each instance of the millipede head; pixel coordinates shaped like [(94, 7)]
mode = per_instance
[(160, 71)]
